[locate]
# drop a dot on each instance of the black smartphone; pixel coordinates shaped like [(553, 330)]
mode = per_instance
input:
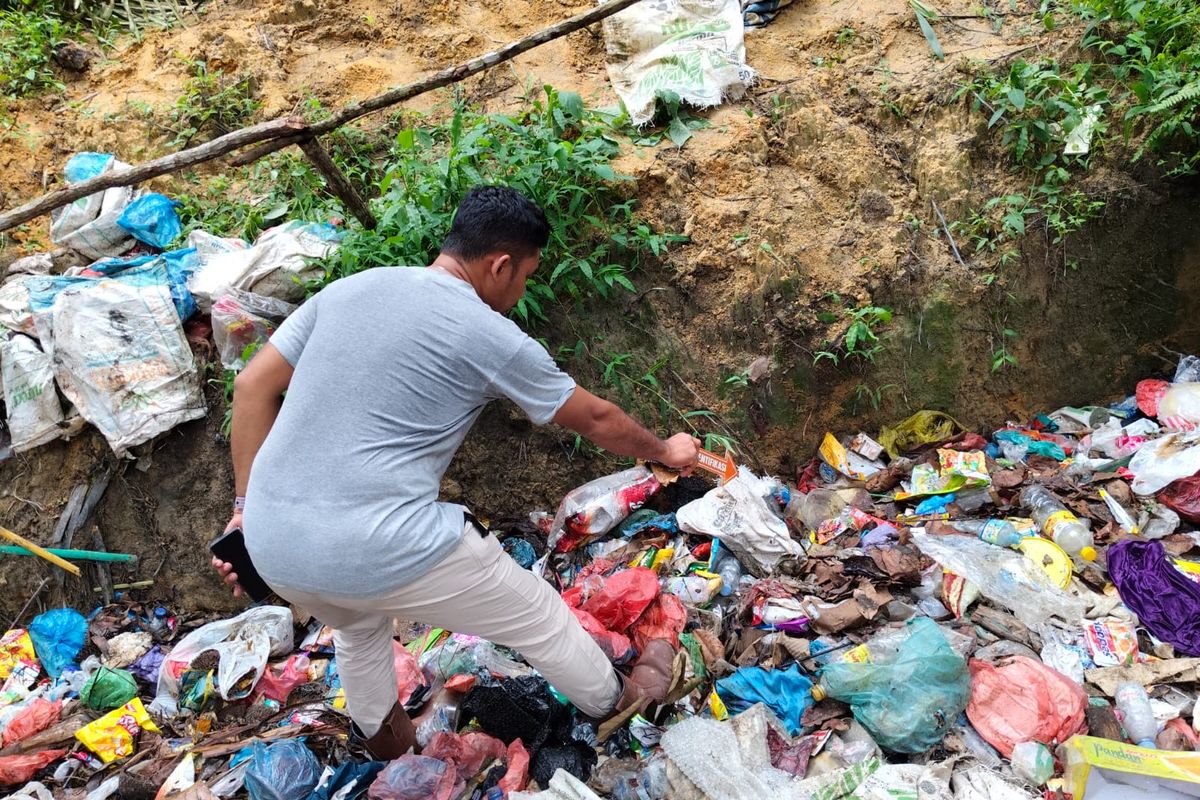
[(231, 548)]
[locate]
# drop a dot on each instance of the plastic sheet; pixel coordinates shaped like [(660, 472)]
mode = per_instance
[(785, 691), (58, 636), (1166, 602), (415, 778), (152, 219), (908, 701), (1023, 700), (664, 619), (179, 266), (108, 688), (282, 771)]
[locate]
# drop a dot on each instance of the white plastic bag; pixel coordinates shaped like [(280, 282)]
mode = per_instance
[(34, 414), (589, 511), (241, 319), (243, 645), (1158, 463), (278, 265), (693, 48), (119, 352), (14, 292), (740, 515), (89, 225)]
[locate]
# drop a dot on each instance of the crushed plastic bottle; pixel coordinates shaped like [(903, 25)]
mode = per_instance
[(1136, 714), (595, 508), (1033, 762), (999, 532), (1058, 523), (157, 625), (730, 572)]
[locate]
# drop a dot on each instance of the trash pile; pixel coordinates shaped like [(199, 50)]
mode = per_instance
[(107, 340), (925, 613)]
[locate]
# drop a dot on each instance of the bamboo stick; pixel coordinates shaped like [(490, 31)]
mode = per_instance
[(41, 552)]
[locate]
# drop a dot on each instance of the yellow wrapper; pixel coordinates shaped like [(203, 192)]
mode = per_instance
[(15, 647), (717, 707), (1094, 765), (114, 735)]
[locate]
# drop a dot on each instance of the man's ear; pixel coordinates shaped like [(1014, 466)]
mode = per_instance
[(498, 263)]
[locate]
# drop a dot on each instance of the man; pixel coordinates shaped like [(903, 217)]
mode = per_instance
[(385, 372)]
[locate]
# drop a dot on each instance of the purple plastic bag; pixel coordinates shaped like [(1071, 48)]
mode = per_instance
[(147, 667), (1167, 603)]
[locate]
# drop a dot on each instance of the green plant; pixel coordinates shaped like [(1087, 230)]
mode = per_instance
[(873, 396), (212, 104), (862, 340), (1002, 357), (672, 120), (29, 32), (557, 152)]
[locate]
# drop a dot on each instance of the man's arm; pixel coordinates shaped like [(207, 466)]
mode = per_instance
[(617, 432), (257, 397)]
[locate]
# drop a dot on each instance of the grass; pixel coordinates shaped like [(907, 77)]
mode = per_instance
[(29, 32), (212, 104)]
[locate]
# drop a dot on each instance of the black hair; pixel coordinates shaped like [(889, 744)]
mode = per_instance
[(496, 218)]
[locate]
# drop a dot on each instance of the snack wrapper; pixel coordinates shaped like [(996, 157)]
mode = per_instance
[(114, 735), (1112, 642), (15, 648)]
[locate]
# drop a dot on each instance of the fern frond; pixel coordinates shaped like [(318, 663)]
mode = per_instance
[(1184, 95)]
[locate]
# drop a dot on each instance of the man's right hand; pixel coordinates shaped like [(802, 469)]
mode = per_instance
[(681, 452), (224, 567)]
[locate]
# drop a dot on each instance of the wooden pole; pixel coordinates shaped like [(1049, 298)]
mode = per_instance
[(338, 183), (295, 129)]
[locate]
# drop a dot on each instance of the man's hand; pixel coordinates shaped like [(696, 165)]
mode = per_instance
[(682, 451), (224, 567)]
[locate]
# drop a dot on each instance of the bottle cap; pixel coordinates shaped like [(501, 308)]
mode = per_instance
[(818, 692), (1087, 553)]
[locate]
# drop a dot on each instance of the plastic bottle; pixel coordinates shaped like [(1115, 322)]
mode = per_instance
[(1058, 523), (157, 625), (999, 532), (731, 573), (1136, 715)]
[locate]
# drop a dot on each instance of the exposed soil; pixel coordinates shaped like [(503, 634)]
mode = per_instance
[(818, 183)]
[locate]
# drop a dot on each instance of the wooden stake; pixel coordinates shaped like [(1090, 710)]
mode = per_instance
[(338, 183), (295, 129)]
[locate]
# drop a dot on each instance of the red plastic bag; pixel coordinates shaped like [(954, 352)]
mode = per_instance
[(278, 686), (615, 645), (517, 776), (1023, 700), (1183, 497), (1148, 393), (623, 599), (37, 716), (664, 619), (416, 778), (409, 677), (468, 752), (22, 768)]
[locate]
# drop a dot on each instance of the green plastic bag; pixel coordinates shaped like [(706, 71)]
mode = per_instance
[(907, 697), (108, 689)]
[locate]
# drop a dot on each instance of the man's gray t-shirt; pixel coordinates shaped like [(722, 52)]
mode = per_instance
[(392, 367)]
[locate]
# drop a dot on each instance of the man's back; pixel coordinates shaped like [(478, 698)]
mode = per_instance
[(392, 366)]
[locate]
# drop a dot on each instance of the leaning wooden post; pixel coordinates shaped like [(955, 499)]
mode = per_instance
[(338, 183)]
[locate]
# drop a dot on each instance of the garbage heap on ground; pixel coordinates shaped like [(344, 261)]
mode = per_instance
[(101, 331), (928, 613)]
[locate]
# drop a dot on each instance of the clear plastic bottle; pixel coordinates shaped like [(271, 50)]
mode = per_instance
[(1058, 523), (1136, 715), (731, 573), (999, 532), (158, 626)]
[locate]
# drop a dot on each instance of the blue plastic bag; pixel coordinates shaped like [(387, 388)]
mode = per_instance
[(82, 166), (152, 219), (350, 780), (785, 691), (282, 771), (58, 637), (907, 699)]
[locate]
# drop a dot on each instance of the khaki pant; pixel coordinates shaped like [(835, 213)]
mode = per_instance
[(477, 590)]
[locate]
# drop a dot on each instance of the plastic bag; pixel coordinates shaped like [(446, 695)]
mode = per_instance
[(740, 514), (785, 691), (1002, 575), (152, 219), (20, 768), (243, 645), (242, 319), (119, 352), (179, 264), (282, 771), (923, 427), (38, 715), (694, 49), (1033, 761), (616, 646), (108, 688), (348, 781), (908, 701), (115, 734), (1166, 602), (517, 708), (147, 667), (1175, 405), (89, 225), (623, 598), (1183, 497), (588, 512), (278, 264), (1163, 461), (416, 778), (1023, 700), (664, 619), (14, 292), (34, 414), (468, 753), (58, 636)]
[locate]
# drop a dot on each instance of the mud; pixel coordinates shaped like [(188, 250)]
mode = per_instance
[(812, 195)]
